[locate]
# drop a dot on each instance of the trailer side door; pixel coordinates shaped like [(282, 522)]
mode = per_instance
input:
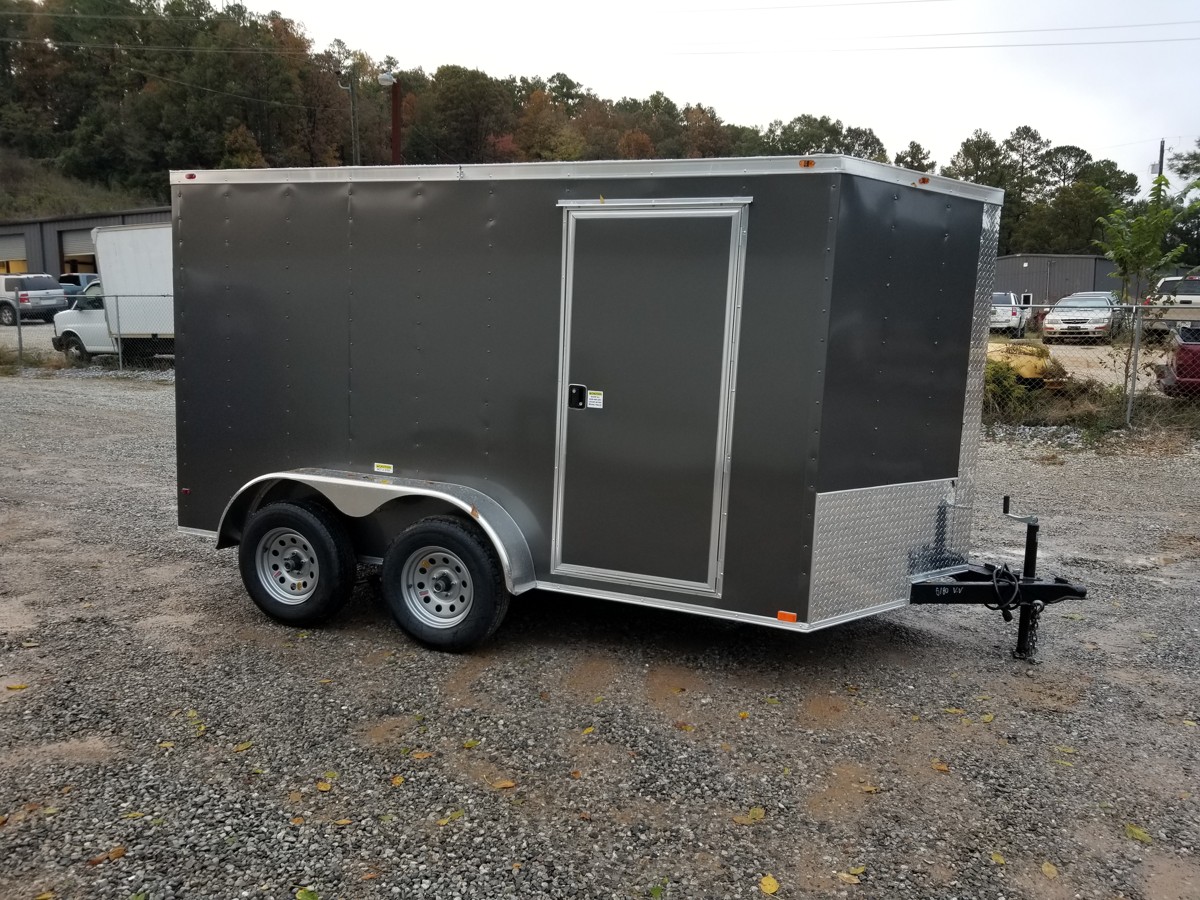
[(651, 298)]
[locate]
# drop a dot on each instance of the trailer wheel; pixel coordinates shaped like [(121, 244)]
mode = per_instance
[(444, 585), (297, 562), (74, 350)]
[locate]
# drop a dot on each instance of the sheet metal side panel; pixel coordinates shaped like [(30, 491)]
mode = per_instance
[(282, 253), (262, 336), (904, 290), (972, 430), (900, 340)]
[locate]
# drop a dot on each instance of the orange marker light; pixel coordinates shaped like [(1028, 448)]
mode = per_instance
[(807, 163), (922, 181), (783, 616)]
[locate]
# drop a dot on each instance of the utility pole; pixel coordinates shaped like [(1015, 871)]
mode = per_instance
[(1162, 154)]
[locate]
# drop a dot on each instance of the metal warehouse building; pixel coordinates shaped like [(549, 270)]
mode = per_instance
[(63, 244), (1041, 279)]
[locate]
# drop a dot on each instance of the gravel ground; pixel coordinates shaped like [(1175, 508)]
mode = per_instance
[(160, 738)]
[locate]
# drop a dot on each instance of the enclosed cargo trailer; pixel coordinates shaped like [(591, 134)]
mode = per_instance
[(741, 388)]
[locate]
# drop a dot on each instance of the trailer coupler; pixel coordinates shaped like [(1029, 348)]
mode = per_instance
[(998, 588)]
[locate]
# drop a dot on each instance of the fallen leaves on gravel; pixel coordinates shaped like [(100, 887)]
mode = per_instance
[(772, 701), (589, 729), (343, 821), (470, 744), (113, 854), (166, 745), (1137, 833), (297, 820), (869, 788), (954, 711), (133, 815), (998, 858), (768, 884), (575, 773), (1049, 870), (295, 796), (324, 786), (685, 726), (504, 784), (15, 687), (847, 878), (243, 746), (330, 776), (743, 715), (420, 754), (307, 894), (45, 895), (939, 766), (755, 814), (397, 780), (457, 814), (987, 718)]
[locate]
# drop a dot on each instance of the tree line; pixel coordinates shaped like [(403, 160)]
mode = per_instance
[(118, 92)]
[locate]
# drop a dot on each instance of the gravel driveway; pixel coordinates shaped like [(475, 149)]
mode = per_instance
[(161, 738)]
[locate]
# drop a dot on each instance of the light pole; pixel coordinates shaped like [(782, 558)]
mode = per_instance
[(388, 80), (352, 87)]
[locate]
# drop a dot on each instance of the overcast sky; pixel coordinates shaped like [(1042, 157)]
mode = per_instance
[(925, 70)]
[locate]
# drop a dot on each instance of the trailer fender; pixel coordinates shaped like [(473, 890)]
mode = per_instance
[(357, 495)]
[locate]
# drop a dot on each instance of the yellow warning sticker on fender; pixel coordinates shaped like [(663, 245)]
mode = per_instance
[(385, 468), (595, 399)]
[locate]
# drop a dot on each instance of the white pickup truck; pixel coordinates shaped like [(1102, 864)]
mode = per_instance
[(131, 309)]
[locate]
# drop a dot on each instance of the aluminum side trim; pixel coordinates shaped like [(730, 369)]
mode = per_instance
[(196, 532), (716, 613), (816, 164)]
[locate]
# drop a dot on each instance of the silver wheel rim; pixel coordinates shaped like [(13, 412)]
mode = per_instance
[(437, 587), (287, 566)]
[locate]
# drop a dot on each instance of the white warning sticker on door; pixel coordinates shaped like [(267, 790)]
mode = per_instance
[(595, 400)]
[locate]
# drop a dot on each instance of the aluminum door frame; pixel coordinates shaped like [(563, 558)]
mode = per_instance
[(736, 209)]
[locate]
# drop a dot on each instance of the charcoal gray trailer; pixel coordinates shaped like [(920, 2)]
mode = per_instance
[(741, 388)]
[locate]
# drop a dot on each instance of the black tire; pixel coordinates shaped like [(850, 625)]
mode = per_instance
[(8, 315), (74, 351), (463, 600), (297, 562)]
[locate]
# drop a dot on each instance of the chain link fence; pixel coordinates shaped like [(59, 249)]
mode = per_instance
[(120, 332), (1095, 367)]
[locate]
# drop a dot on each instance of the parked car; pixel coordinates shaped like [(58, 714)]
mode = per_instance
[(30, 296), (1174, 291), (1180, 376), (1008, 314), (74, 282), (1091, 314)]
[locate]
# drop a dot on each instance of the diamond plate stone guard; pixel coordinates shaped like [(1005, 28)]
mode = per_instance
[(871, 541)]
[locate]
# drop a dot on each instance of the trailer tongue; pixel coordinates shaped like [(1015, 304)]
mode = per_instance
[(998, 588), (747, 389)]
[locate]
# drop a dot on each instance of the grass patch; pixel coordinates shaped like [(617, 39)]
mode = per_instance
[(1084, 403), (11, 364)]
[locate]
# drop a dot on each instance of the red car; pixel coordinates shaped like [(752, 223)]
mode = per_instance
[(1180, 377)]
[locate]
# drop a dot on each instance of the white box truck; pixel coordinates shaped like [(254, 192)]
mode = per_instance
[(130, 310)]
